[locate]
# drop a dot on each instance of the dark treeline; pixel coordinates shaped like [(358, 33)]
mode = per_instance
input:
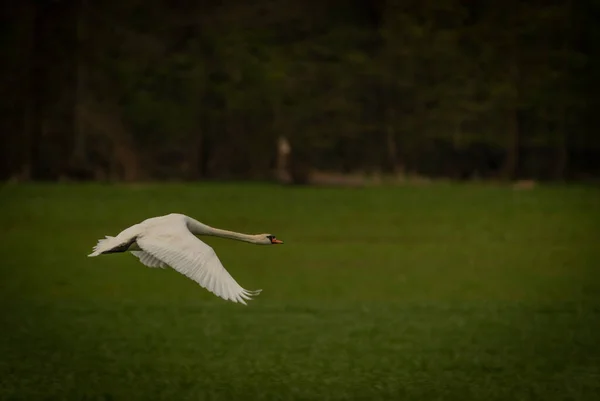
[(161, 89)]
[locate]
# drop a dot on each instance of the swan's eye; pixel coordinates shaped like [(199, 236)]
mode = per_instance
[(274, 240)]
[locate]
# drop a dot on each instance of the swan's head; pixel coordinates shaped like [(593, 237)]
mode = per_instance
[(268, 239)]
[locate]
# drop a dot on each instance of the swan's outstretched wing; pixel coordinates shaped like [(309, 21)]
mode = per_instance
[(180, 249), (148, 259)]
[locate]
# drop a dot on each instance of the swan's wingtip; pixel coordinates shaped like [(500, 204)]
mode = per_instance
[(245, 295)]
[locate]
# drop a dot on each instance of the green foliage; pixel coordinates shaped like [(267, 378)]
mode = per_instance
[(348, 84), (421, 293)]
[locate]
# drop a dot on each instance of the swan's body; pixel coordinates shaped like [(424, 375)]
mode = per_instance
[(171, 241)]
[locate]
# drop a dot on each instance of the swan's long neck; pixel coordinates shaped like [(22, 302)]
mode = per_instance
[(198, 228)]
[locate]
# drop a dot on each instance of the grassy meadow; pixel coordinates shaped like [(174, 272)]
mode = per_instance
[(439, 292)]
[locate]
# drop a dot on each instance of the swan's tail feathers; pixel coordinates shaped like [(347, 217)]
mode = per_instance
[(111, 245)]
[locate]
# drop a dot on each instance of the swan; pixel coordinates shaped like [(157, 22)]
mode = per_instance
[(171, 240)]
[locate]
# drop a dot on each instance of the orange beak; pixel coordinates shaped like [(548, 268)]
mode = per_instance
[(276, 241)]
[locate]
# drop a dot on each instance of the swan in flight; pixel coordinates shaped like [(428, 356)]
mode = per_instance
[(171, 241)]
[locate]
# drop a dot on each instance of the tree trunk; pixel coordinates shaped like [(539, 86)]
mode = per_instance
[(512, 146), (391, 145), (33, 169), (126, 163), (392, 149), (15, 76), (79, 148), (513, 127), (282, 163), (562, 148), (53, 88), (194, 157), (562, 143)]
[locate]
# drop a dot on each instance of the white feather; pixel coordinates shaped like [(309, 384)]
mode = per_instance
[(148, 259), (191, 257), (171, 241)]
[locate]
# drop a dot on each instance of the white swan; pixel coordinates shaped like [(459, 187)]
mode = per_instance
[(171, 241)]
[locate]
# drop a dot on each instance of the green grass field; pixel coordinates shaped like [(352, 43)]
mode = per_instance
[(441, 292)]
